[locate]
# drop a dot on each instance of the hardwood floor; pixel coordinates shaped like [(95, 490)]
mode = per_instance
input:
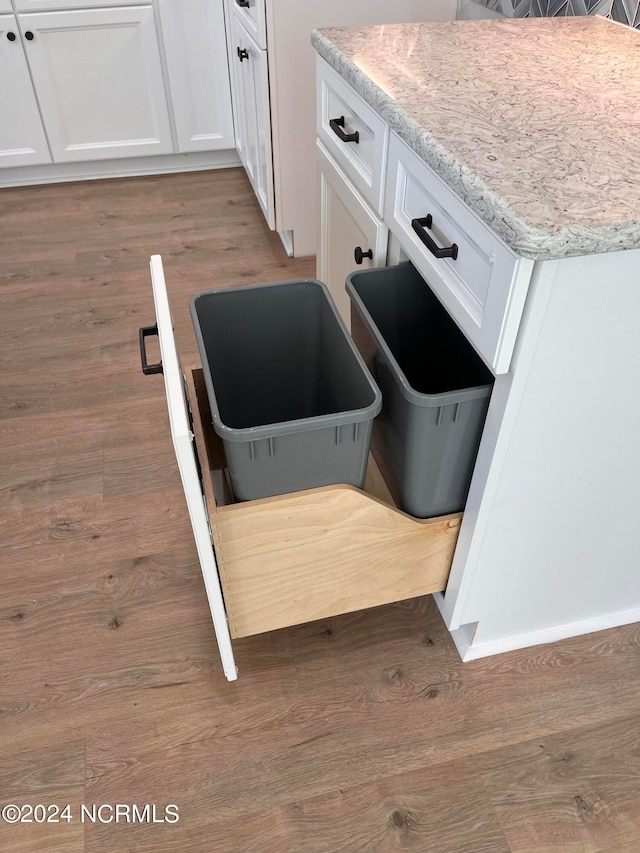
[(358, 734)]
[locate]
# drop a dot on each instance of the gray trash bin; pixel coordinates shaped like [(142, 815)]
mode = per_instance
[(290, 395), (435, 390)]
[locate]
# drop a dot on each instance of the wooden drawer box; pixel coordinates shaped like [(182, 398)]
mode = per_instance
[(484, 285), (313, 554)]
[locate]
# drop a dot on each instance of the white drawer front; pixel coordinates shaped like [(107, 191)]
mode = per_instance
[(178, 405), (363, 161), (485, 285), (252, 14)]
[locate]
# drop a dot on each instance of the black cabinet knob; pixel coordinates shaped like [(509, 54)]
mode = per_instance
[(28, 35), (11, 36), (243, 3), (359, 255), (243, 54)]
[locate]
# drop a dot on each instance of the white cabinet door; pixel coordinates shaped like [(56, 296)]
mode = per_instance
[(347, 224), (182, 435), (5, 6), (196, 53), (22, 138), (253, 118), (99, 81)]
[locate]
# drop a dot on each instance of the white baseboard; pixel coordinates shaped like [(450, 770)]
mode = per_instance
[(463, 637), (129, 167)]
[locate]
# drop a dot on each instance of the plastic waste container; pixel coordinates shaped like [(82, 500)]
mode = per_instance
[(435, 390), (290, 395)]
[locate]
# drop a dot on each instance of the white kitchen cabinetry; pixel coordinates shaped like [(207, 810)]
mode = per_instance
[(252, 13), (485, 284), (98, 78), (291, 91), (120, 88), (354, 136), (22, 138), (5, 6), (250, 77), (553, 498), (349, 231), (196, 54)]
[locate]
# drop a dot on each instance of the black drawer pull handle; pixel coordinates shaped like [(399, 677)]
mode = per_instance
[(11, 36), (243, 54), (336, 125), (29, 35), (419, 225), (359, 255), (148, 369), (243, 3)]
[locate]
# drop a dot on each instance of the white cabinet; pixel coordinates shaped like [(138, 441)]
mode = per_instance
[(252, 13), (22, 138), (293, 96), (554, 494), (250, 78), (198, 73), (99, 82), (5, 6), (354, 136), (481, 281), (282, 30), (349, 231)]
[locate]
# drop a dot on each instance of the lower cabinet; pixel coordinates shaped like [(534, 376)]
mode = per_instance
[(198, 73), (22, 138), (350, 235), (250, 81), (98, 77), (100, 84)]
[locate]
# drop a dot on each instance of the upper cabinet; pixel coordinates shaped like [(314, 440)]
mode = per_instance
[(98, 77), (198, 73), (22, 138)]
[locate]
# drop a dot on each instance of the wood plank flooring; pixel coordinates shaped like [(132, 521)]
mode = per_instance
[(358, 734)]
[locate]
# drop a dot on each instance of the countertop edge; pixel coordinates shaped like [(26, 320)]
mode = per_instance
[(525, 240)]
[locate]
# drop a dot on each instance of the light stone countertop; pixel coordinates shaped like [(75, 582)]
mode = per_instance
[(534, 123)]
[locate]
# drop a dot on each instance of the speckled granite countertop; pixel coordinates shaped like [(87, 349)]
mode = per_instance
[(534, 123)]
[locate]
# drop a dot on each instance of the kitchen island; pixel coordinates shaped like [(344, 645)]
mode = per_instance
[(519, 137)]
